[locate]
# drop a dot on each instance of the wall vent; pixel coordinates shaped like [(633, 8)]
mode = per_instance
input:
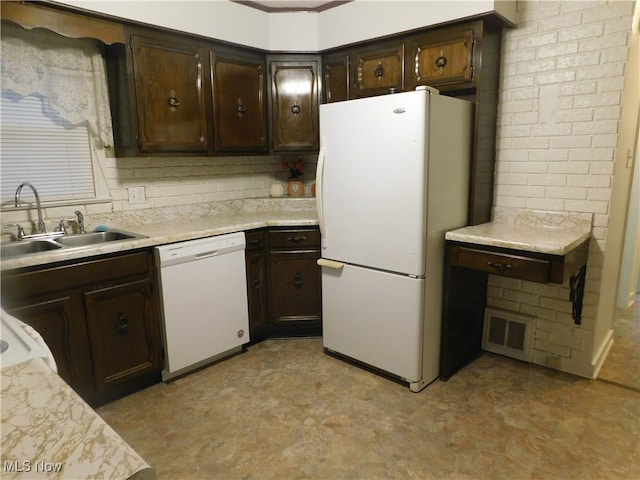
[(508, 333)]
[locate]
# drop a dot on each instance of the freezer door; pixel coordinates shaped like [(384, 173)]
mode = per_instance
[(374, 317), (371, 181)]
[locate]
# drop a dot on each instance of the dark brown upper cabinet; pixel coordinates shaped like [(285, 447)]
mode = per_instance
[(168, 80), (238, 82), (378, 69), (158, 95), (441, 58), (293, 102), (336, 77)]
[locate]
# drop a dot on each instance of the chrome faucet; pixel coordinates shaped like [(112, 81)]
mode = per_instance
[(41, 228)]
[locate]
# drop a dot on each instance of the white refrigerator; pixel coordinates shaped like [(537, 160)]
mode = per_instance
[(392, 177)]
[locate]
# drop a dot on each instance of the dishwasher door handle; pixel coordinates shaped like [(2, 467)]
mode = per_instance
[(210, 253)]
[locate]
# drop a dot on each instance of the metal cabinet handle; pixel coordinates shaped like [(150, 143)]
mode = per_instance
[(122, 324), (255, 241), (441, 62), (297, 280), (174, 103), (379, 71), (241, 108), (296, 238), (500, 267), (256, 285), (295, 109)]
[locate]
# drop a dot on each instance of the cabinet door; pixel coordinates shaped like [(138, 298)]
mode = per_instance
[(65, 335), (294, 104), (123, 333), (440, 58), (295, 283), (168, 79), (239, 102), (257, 294), (335, 77), (378, 70)]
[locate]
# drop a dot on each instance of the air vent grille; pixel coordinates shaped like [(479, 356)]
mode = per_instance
[(508, 333)]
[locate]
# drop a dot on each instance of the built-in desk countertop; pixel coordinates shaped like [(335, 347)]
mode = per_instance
[(544, 247)]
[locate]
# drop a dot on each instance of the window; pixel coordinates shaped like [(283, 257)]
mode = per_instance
[(54, 116), (54, 158)]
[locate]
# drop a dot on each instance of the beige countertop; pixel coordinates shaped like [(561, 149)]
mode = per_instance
[(554, 233), (49, 432), (531, 238), (165, 231)]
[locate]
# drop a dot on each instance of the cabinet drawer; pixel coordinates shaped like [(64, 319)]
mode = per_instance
[(256, 240), (294, 239), (514, 266)]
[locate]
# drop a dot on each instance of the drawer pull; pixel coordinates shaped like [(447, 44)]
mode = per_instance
[(297, 238), (255, 241), (379, 71), (500, 267)]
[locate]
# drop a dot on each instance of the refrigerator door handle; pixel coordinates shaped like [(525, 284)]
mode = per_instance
[(319, 172), (323, 262)]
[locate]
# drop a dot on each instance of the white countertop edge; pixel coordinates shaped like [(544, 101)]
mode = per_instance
[(547, 240), (167, 232)]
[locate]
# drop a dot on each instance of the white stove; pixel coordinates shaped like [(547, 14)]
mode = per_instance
[(20, 342)]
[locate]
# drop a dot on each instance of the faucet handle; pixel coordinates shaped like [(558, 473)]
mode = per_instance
[(80, 220), (21, 233), (61, 224)]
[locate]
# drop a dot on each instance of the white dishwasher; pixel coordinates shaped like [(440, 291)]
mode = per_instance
[(203, 298)]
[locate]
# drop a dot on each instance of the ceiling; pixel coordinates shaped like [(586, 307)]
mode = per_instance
[(292, 5)]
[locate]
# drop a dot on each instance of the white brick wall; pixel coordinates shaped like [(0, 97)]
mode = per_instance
[(560, 100), (192, 180)]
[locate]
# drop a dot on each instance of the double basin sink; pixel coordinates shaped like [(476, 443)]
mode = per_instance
[(44, 242)]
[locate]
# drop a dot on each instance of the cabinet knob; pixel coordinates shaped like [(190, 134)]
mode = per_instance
[(379, 71), (174, 103), (441, 62), (295, 109), (241, 108), (297, 280), (256, 285), (122, 324)]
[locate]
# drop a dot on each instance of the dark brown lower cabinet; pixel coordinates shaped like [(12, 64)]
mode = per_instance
[(257, 287), (99, 318), (295, 300), (284, 283)]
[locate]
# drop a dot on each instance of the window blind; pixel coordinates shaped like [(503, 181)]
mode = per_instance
[(34, 148)]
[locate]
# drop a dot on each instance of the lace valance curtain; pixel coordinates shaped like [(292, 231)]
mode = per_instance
[(68, 75)]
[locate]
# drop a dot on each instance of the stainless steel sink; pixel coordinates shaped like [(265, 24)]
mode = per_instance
[(24, 247), (31, 246), (84, 239)]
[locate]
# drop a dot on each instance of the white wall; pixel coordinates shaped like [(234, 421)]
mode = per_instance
[(222, 20), (295, 31), (365, 19)]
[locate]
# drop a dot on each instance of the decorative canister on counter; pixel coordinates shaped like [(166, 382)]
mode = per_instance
[(276, 190), (295, 188)]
